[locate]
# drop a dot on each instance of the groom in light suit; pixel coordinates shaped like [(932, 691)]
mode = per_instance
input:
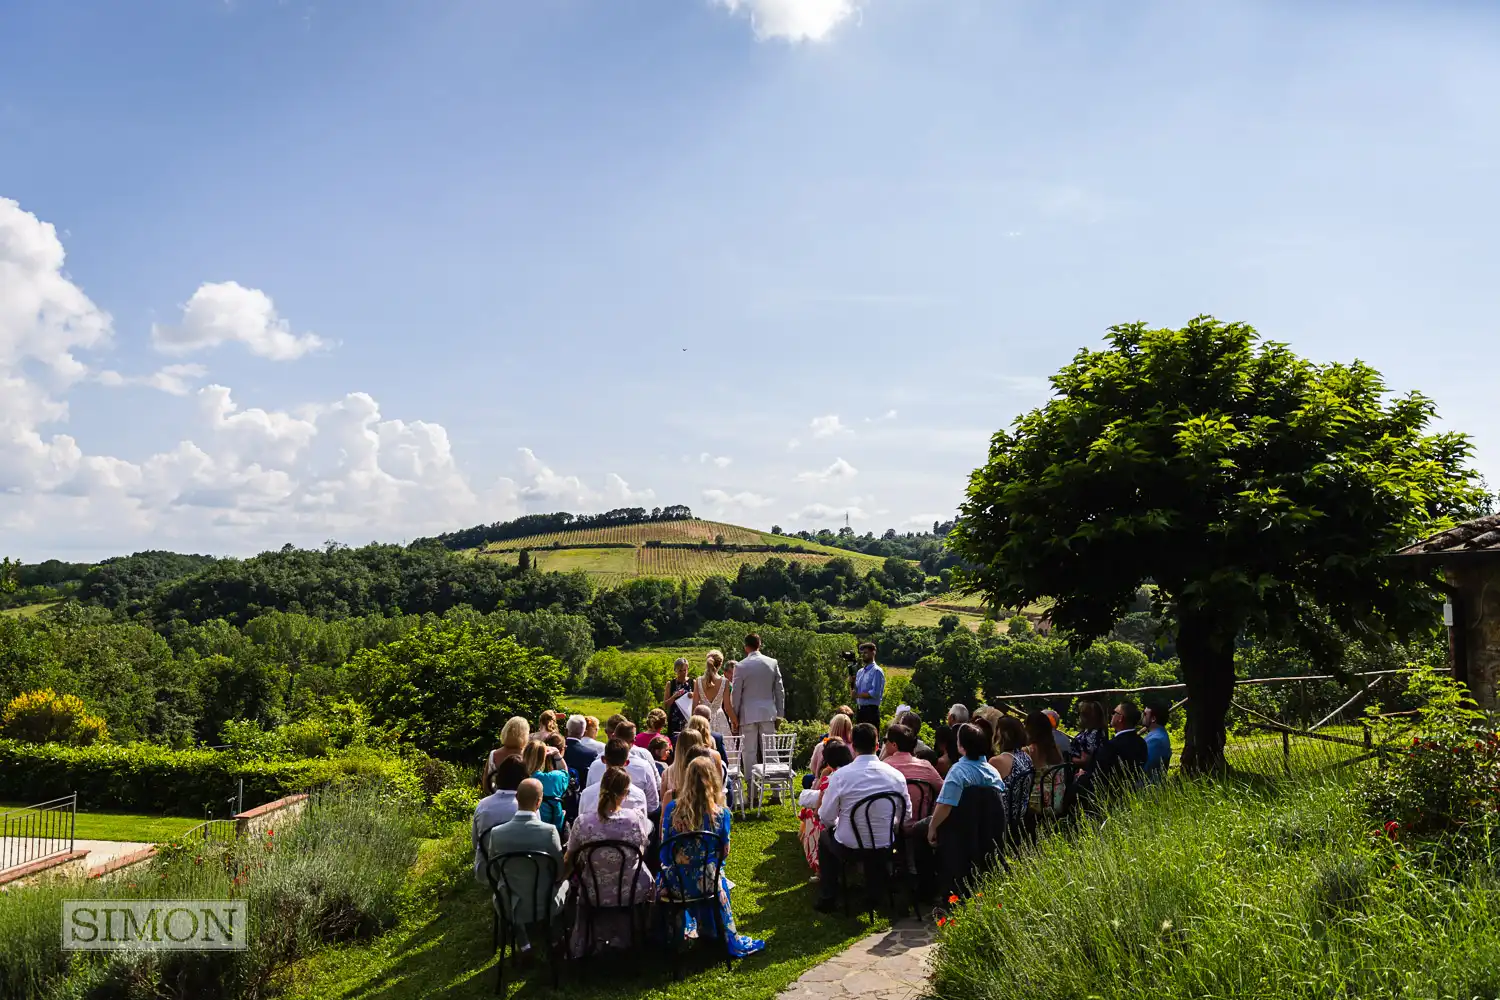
[(759, 700)]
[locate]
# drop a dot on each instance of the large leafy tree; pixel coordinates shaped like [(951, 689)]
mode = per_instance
[(1258, 490)]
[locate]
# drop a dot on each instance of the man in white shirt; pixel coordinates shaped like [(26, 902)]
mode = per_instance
[(588, 799), (641, 767), (495, 809), (847, 786), (590, 737)]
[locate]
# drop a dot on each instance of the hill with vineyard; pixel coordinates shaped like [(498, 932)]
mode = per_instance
[(689, 548)]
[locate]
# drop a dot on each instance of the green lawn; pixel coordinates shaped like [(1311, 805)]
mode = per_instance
[(926, 616), (446, 953), (124, 826), (587, 704), (25, 610)]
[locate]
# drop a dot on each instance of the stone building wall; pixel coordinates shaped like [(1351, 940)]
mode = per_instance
[(1478, 592)]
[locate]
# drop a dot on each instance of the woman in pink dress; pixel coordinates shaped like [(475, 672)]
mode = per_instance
[(836, 754)]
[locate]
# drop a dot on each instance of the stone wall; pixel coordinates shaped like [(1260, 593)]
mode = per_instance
[(1477, 587)]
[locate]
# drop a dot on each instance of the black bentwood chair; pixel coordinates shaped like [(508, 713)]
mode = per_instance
[(599, 890), (518, 879), (876, 823), (691, 879)]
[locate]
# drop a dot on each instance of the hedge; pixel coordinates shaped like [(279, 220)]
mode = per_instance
[(145, 778)]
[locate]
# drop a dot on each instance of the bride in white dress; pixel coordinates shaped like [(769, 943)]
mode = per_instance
[(711, 689)]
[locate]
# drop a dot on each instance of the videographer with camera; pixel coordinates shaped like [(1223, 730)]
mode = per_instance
[(868, 685)]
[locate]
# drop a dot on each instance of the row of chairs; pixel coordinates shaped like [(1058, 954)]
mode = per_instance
[(523, 877), (773, 773), (881, 814)]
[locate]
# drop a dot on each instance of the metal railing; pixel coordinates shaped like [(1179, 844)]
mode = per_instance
[(209, 831), (35, 833)]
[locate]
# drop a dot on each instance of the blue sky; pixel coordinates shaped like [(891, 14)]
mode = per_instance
[(373, 270)]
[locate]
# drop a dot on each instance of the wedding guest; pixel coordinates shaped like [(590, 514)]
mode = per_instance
[(605, 885), (513, 738), (836, 754), (1091, 735), (616, 755)]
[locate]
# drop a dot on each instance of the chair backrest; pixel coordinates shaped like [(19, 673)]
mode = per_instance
[(734, 751), (692, 872), (1055, 786), (606, 874), (923, 797), (777, 748), (876, 820), (525, 881)]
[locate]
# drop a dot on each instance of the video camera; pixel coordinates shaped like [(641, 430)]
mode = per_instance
[(851, 662)]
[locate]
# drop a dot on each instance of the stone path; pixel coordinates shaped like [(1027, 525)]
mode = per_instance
[(890, 965)]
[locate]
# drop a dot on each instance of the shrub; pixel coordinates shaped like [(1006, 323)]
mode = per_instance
[(640, 698), (808, 734), (448, 686), (1444, 787), (146, 778), (453, 805), (47, 717)]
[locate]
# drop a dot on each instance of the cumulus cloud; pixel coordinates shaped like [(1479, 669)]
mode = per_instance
[(546, 489), (839, 471), (793, 20), (172, 380), (822, 513), (225, 312), (828, 426), (718, 461), (744, 500)]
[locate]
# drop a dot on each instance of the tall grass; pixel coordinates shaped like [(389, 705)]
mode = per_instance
[(1217, 890), (336, 875)]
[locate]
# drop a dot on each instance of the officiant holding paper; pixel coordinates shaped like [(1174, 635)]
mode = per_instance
[(672, 702)]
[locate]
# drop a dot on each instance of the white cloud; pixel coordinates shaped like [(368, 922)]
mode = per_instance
[(720, 461), (172, 380), (226, 311), (547, 490), (744, 499), (828, 426), (888, 415), (839, 471), (820, 513), (793, 444), (794, 20)]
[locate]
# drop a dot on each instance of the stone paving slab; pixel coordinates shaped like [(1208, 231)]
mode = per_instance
[(890, 965)]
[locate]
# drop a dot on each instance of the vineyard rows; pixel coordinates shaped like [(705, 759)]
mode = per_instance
[(639, 534), (698, 565)]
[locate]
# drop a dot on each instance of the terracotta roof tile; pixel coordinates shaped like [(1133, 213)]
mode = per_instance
[(1479, 535)]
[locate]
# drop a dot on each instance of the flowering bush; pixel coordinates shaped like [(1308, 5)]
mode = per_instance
[(48, 717), (1443, 785)]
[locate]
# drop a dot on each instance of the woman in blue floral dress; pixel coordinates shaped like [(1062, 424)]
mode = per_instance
[(1091, 735), (685, 867)]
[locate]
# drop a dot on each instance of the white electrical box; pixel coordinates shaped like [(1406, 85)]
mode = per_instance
[(1448, 613)]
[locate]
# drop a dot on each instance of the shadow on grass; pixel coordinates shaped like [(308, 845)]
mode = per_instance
[(450, 956)]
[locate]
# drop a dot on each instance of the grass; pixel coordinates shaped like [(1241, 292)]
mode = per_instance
[(1225, 890), (445, 953), (124, 826), (25, 610), (928, 616), (612, 566), (587, 704)]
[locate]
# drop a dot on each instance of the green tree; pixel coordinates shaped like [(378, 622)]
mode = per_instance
[(1258, 490), (449, 686), (10, 575), (875, 613)]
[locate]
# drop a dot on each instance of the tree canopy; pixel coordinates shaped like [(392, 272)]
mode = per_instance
[(1257, 489)]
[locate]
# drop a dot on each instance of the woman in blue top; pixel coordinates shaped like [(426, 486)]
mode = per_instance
[(686, 871), (972, 769), (539, 760)]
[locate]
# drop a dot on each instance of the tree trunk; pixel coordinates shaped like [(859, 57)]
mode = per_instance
[(1207, 657)]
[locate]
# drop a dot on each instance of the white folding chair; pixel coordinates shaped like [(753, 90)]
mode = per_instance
[(734, 778), (775, 767)]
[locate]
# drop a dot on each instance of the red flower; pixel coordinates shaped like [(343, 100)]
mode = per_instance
[(952, 900), (1391, 827), (941, 921)]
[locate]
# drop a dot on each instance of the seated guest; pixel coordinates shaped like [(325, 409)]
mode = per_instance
[(867, 775), (1158, 743), (1013, 762), (625, 730), (899, 752), (911, 720), (1091, 735), (590, 738), (972, 769), (604, 884), (616, 754), (576, 753), (958, 714), (526, 831), (985, 726), (496, 808), (546, 765), (1044, 754), (656, 723), (841, 728), (547, 723), (513, 737), (836, 754), (687, 741), (1122, 761), (660, 749), (640, 765), (1063, 740), (945, 742), (699, 806), (706, 714), (700, 724)]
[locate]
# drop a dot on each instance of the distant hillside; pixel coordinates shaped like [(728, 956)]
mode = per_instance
[(691, 549)]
